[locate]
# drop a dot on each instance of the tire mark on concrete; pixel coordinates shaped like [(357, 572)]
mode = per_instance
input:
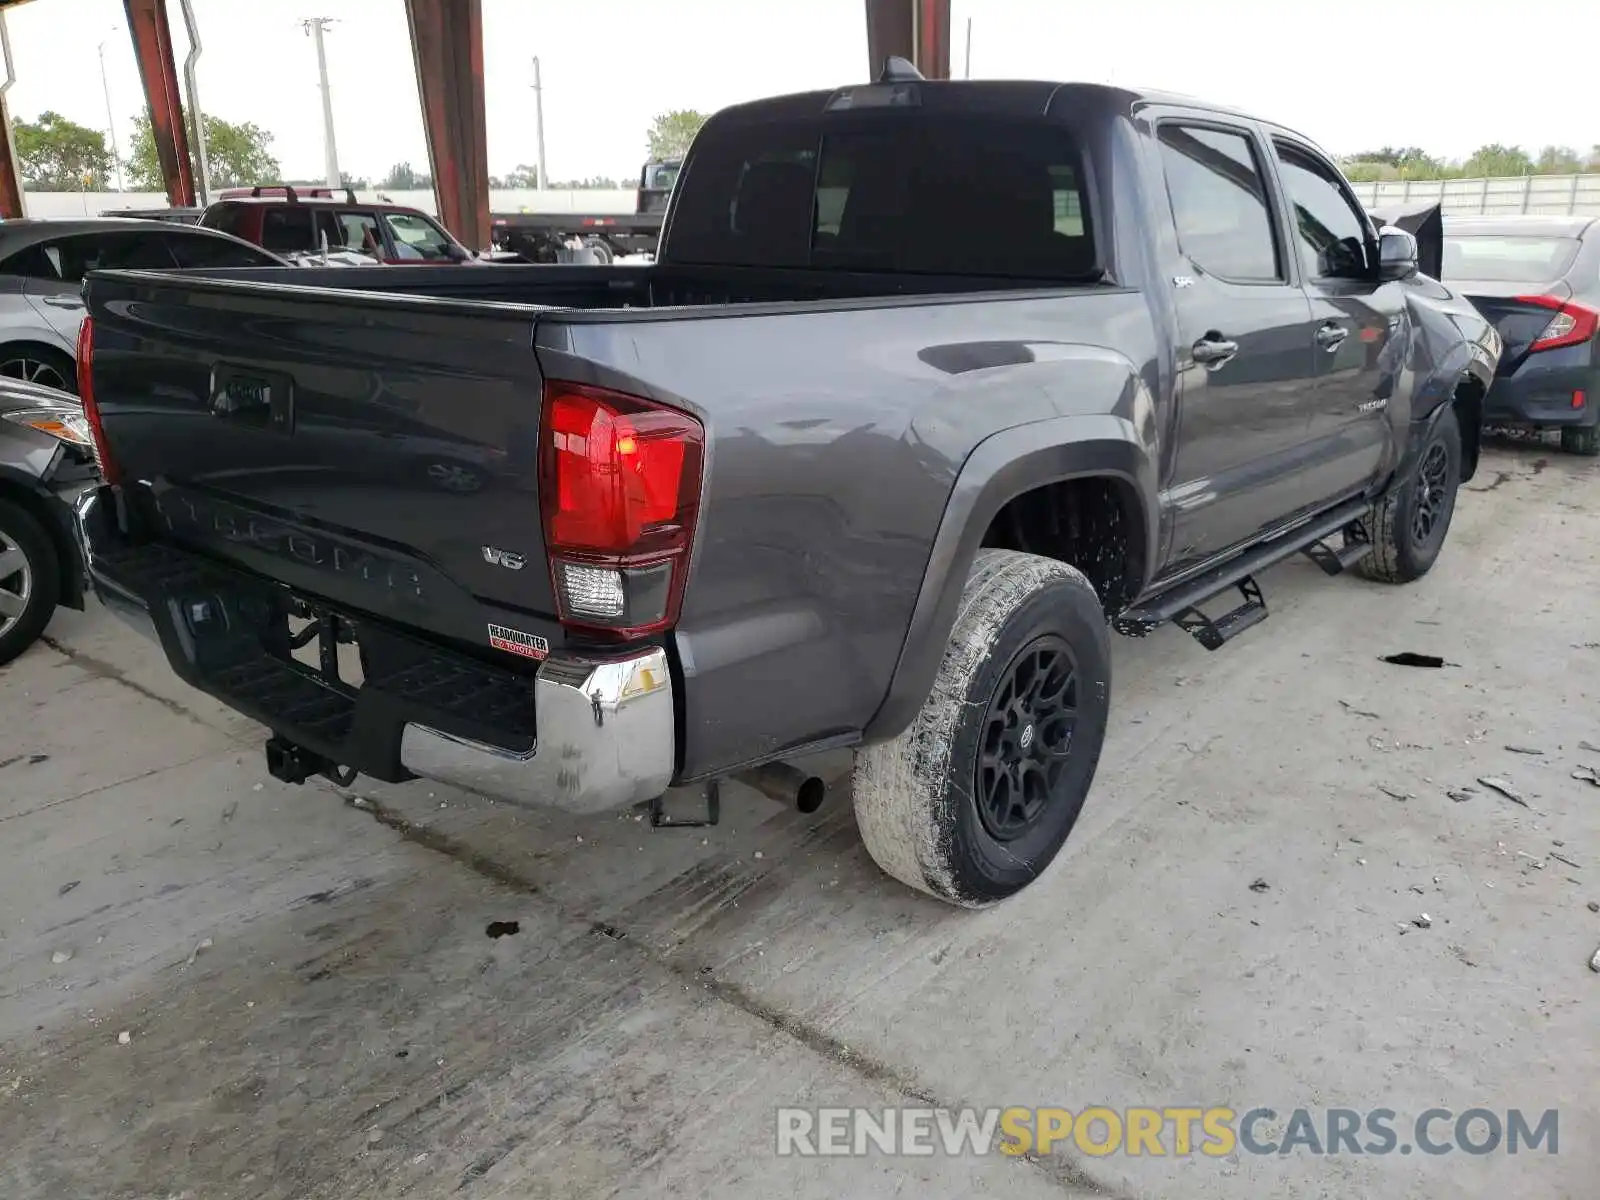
[(102, 669)]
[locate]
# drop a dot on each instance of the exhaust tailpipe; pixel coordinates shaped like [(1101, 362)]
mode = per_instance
[(787, 785)]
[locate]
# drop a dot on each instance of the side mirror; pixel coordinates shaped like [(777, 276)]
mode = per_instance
[(1397, 254), (456, 253)]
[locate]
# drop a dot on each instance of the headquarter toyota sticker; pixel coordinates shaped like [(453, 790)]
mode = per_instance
[(514, 641)]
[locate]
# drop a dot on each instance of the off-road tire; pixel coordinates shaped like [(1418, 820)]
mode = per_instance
[(1584, 440), (1399, 554), (22, 530), (917, 797)]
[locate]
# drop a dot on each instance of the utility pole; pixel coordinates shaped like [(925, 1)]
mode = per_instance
[(314, 26), (541, 181), (968, 72), (111, 121)]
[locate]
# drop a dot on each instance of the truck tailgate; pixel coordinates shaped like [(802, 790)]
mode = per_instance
[(378, 451)]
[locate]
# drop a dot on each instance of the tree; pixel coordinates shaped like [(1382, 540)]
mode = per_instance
[(236, 155), (402, 178), (671, 132), (1497, 160), (55, 154), (1407, 162), (1559, 160)]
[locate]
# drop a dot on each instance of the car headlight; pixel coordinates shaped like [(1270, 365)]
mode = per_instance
[(66, 427)]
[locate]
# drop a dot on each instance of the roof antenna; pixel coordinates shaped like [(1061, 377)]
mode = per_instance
[(899, 70)]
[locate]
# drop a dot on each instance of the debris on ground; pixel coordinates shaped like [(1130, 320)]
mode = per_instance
[(60, 956), (1358, 712), (500, 929), (1589, 746), (1260, 885), (1407, 658), (1594, 906), (1495, 783), (361, 802), (125, 1037), (1562, 858), (1423, 922), (68, 886), (1588, 775), (202, 944), (1461, 793), (1594, 963), (1525, 750), (1396, 793)]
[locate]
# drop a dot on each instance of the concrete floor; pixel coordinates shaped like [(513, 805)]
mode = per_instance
[(348, 1030)]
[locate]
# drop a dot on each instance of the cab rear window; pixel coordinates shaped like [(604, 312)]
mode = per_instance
[(903, 193)]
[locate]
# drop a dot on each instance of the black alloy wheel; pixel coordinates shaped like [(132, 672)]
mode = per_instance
[(1027, 738)]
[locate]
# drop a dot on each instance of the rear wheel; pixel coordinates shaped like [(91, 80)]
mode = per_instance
[(975, 798), (1407, 527), (39, 364), (1584, 441), (30, 580)]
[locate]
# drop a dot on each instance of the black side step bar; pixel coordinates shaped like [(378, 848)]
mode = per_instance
[(1181, 605)]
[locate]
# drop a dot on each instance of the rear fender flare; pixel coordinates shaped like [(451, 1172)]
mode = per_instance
[(1000, 468)]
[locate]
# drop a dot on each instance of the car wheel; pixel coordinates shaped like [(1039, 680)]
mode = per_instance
[(30, 580), (974, 799), (38, 364), (1407, 527), (1586, 442)]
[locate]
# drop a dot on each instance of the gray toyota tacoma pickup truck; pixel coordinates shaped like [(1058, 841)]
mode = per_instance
[(933, 385)]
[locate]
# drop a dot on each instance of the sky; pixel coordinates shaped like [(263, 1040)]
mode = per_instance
[(610, 65)]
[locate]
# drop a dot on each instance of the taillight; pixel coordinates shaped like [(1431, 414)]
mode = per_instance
[(109, 470), (1570, 325), (619, 481)]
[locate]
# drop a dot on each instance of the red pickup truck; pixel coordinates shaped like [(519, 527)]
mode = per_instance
[(306, 223)]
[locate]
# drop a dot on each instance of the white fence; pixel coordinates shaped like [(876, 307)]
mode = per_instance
[(1551, 195), (90, 204)]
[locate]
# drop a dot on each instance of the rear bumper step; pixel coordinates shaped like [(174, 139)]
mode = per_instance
[(586, 733)]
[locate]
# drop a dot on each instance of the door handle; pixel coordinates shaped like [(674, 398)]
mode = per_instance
[(61, 301), (1331, 336), (1214, 350)]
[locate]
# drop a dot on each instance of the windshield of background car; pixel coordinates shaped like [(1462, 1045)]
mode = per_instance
[(1508, 258), (900, 193)]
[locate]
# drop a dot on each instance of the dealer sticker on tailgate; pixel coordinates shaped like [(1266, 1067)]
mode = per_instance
[(529, 645)]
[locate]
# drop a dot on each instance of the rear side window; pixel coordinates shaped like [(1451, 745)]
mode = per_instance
[(227, 218), (910, 195), (32, 262), (1508, 258), (197, 250), (287, 229), (135, 252), (347, 229), (1219, 203)]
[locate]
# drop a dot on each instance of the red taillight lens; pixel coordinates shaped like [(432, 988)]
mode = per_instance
[(1570, 325), (91, 411), (619, 481)]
